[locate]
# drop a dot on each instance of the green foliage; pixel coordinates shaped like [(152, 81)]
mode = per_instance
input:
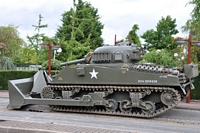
[(132, 35), (73, 50), (81, 31), (37, 51), (35, 40), (161, 57), (11, 75), (28, 55), (55, 64), (161, 38), (9, 36), (192, 27), (7, 64), (195, 94)]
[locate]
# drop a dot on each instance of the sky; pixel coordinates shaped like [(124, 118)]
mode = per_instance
[(118, 16)]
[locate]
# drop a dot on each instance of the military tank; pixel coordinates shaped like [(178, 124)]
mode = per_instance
[(109, 81)]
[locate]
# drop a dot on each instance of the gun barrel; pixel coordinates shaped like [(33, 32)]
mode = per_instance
[(73, 62)]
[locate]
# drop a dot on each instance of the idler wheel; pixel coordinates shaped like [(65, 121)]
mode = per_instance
[(166, 98), (125, 106), (47, 93), (150, 107), (112, 105)]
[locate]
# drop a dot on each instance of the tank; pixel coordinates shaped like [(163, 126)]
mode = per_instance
[(108, 81)]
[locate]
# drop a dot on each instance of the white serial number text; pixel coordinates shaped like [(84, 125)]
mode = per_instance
[(147, 81)]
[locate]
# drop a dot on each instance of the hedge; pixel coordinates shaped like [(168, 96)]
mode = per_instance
[(10, 75), (195, 94)]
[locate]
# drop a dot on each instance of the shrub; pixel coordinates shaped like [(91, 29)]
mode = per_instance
[(195, 94), (161, 57), (7, 64), (55, 64), (11, 75)]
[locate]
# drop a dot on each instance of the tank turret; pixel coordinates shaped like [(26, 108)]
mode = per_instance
[(124, 52)]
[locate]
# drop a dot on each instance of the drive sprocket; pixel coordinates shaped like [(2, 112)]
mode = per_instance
[(47, 92)]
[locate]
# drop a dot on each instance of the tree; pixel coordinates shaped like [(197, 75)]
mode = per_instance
[(80, 31), (161, 38), (192, 27), (9, 36), (132, 35), (36, 39)]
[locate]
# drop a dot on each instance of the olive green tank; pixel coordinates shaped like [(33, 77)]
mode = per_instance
[(109, 81)]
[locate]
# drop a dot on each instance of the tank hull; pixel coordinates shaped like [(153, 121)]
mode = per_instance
[(108, 76)]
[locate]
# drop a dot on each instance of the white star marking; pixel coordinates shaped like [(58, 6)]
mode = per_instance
[(94, 74)]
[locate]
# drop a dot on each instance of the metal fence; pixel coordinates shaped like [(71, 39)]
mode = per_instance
[(30, 67)]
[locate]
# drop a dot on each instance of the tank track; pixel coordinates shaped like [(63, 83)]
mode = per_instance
[(161, 110)]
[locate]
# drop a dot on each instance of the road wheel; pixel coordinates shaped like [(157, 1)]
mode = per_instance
[(112, 105), (150, 108), (125, 106)]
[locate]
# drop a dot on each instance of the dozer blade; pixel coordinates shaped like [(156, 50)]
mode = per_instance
[(21, 89), (27, 91), (18, 90)]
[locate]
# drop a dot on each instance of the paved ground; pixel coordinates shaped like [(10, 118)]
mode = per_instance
[(4, 93), (193, 105), (37, 127)]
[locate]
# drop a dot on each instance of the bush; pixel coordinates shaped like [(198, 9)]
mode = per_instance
[(195, 94), (11, 75), (55, 64), (7, 64), (161, 57)]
